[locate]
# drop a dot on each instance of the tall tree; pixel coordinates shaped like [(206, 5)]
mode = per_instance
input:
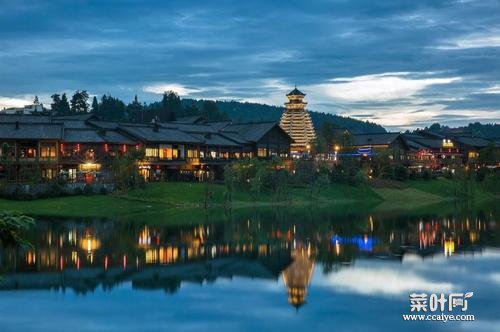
[(112, 109), (95, 105), (59, 105), (171, 106), (135, 110), (64, 105), (79, 102)]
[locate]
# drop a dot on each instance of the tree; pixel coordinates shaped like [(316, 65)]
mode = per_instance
[(135, 110), (79, 102), (59, 105), (95, 105), (126, 170), (211, 112), (12, 226), (489, 155), (112, 109), (171, 106)]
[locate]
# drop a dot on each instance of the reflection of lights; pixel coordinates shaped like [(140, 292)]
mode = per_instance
[(337, 248), (144, 237), (30, 258), (473, 236), (449, 247), (90, 243), (364, 243), (163, 255), (74, 256)]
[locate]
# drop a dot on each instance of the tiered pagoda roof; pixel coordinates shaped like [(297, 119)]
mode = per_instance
[(297, 122)]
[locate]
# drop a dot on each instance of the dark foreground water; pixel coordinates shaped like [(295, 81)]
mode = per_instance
[(338, 269)]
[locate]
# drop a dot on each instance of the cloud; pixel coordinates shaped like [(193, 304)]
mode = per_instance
[(6, 102), (378, 87), (160, 88), (382, 280), (494, 89), (475, 40)]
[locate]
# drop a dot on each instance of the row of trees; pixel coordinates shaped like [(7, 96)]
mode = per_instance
[(111, 108)]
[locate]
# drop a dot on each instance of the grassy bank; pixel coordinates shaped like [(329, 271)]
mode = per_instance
[(171, 199)]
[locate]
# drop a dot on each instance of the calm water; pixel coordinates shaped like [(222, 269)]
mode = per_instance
[(312, 270)]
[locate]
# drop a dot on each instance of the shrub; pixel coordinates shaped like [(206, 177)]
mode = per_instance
[(88, 189), (400, 173), (492, 183), (387, 172), (357, 179), (427, 174)]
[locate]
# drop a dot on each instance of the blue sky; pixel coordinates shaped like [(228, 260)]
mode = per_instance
[(402, 64)]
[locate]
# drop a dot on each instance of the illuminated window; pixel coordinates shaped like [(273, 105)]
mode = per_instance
[(166, 151), (152, 152), (192, 153), (262, 152), (48, 152), (447, 143), (48, 173), (473, 154), (27, 152)]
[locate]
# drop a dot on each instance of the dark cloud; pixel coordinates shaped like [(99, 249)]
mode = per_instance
[(234, 49)]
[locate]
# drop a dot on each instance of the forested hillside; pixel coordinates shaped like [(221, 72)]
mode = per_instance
[(244, 112)]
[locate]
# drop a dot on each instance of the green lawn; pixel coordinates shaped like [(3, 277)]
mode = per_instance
[(446, 188), (77, 206), (178, 200)]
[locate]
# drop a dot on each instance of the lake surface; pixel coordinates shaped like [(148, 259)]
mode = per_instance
[(337, 269)]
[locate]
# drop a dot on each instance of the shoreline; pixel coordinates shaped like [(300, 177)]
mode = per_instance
[(170, 197)]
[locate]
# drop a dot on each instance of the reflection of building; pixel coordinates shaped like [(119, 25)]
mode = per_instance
[(297, 277), (297, 122)]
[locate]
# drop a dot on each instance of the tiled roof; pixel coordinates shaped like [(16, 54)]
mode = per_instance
[(28, 131), (82, 117), (423, 141), (25, 118), (475, 142), (215, 140), (103, 124), (189, 119), (95, 136), (295, 92), (251, 132), (374, 139), (149, 134)]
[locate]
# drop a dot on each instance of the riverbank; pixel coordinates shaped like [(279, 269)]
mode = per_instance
[(171, 197)]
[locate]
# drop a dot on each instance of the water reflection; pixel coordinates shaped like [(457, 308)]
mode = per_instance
[(85, 254)]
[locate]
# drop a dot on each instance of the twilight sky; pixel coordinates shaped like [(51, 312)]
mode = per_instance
[(402, 64)]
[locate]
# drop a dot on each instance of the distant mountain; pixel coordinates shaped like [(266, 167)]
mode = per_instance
[(247, 112), (489, 131)]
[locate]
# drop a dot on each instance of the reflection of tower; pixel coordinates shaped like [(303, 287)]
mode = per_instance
[(296, 121), (297, 276)]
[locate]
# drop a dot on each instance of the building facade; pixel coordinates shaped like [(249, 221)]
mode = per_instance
[(82, 148)]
